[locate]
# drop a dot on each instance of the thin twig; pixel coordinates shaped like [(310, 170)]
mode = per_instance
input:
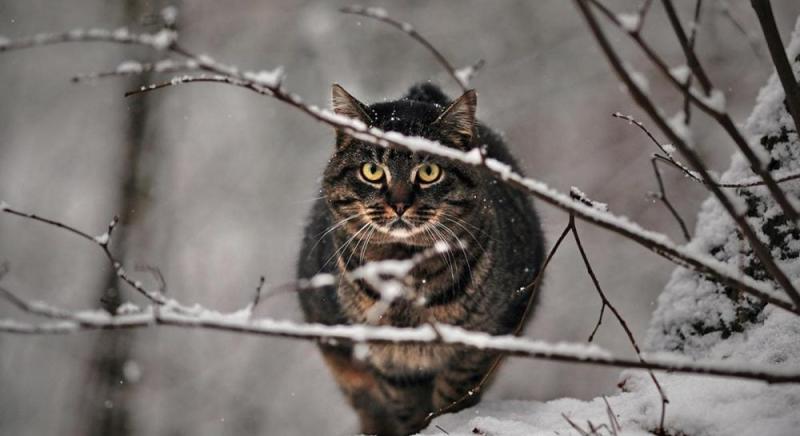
[(531, 287), (688, 48), (752, 40), (202, 318), (461, 76), (687, 107), (647, 105), (624, 324), (101, 241), (709, 105), (669, 158), (654, 242), (662, 196)]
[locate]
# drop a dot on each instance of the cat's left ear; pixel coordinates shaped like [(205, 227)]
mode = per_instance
[(457, 122)]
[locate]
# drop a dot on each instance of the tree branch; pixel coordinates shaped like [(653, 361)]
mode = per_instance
[(461, 76), (647, 105), (784, 69)]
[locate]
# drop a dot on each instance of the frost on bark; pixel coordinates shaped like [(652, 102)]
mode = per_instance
[(695, 313)]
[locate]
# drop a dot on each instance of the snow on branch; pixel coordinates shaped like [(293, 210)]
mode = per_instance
[(64, 322), (709, 100), (645, 102), (658, 243), (163, 311)]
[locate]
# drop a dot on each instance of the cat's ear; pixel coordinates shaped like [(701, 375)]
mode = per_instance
[(345, 104), (457, 122)]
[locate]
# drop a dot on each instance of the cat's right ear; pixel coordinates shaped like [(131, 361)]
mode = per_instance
[(345, 104)]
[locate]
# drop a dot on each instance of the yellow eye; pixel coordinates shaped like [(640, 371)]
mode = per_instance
[(372, 172), (429, 173)]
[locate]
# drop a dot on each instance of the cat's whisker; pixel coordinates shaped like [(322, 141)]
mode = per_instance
[(331, 229), (364, 248), (448, 256), (344, 246), (472, 235), (460, 244)]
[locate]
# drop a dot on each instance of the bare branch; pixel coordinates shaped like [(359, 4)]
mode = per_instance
[(624, 324), (712, 104), (662, 196), (766, 18), (101, 241), (652, 241), (687, 46), (533, 287), (647, 105), (752, 38), (461, 76)]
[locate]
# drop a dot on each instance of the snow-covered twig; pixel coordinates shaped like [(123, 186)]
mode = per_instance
[(702, 100), (668, 156), (778, 53), (133, 68), (641, 98), (102, 241), (462, 76), (655, 242), (446, 335)]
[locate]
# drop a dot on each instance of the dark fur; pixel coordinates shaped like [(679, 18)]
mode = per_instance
[(395, 387)]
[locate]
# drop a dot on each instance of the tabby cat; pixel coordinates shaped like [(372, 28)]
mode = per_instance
[(381, 204)]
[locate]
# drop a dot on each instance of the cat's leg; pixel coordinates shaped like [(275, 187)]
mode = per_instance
[(407, 403), (462, 376), (361, 387)]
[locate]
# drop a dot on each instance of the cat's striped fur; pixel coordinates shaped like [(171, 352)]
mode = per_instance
[(478, 285)]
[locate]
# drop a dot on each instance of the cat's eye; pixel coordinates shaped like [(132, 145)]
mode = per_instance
[(429, 172), (372, 172)]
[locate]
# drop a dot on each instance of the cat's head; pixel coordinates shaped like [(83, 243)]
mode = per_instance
[(394, 195)]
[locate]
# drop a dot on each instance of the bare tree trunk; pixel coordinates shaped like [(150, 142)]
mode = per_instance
[(106, 408)]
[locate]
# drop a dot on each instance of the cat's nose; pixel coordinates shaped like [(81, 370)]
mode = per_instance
[(399, 208), (399, 197)]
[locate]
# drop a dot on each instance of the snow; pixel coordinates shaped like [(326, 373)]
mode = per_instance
[(160, 40), (678, 124), (716, 100), (697, 320), (129, 67), (169, 15), (102, 239), (681, 73), (580, 195), (629, 21), (267, 79), (464, 74), (131, 371), (639, 79)]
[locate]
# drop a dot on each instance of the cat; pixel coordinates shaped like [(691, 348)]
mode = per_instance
[(383, 203)]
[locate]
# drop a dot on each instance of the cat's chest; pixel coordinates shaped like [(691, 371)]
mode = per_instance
[(363, 306)]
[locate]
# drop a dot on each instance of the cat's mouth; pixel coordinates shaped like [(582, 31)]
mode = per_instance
[(399, 228)]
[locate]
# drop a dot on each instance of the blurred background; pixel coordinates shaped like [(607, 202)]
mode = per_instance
[(214, 183)]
